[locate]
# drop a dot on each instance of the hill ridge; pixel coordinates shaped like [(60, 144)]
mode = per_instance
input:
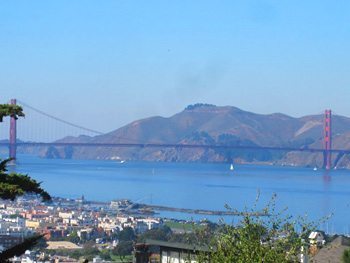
[(199, 123)]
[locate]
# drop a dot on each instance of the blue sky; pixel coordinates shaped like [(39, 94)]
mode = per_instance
[(103, 64)]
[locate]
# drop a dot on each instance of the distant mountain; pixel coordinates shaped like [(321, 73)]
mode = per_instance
[(206, 124)]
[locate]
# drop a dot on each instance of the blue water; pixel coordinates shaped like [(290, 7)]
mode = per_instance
[(206, 186)]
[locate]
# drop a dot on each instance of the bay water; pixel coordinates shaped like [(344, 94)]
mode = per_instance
[(302, 191)]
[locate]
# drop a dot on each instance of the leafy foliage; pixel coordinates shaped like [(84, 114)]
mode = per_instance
[(127, 234), (19, 249), (346, 256), (14, 184), (73, 237), (11, 186), (259, 239), (124, 248), (163, 233), (198, 105), (14, 111)]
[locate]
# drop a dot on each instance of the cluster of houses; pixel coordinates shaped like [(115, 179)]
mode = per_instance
[(94, 221), (62, 217)]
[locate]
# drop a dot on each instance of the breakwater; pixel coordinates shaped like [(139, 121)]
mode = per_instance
[(201, 211)]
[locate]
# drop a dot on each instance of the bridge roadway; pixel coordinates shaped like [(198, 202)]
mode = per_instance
[(170, 145)]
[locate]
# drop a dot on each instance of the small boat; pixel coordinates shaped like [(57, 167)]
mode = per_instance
[(315, 168), (231, 167)]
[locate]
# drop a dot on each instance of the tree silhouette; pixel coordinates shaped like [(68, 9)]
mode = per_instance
[(13, 185), (346, 256), (14, 111), (19, 249), (269, 239)]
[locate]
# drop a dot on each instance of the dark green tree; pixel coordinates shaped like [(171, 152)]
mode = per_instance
[(73, 237), (19, 249), (346, 256), (13, 185), (126, 239), (14, 111), (163, 233), (123, 249), (127, 234)]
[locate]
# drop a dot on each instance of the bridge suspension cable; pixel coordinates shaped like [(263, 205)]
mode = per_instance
[(59, 119)]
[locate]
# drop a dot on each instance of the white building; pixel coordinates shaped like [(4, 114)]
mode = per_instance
[(150, 222), (317, 238)]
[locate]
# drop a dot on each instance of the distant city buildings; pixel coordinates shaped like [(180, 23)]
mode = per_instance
[(65, 219)]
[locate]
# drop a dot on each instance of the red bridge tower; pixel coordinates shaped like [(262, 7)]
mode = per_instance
[(13, 134)]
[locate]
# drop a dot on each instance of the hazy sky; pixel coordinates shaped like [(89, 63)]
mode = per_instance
[(103, 64)]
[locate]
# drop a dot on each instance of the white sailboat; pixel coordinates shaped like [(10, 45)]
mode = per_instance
[(231, 167)]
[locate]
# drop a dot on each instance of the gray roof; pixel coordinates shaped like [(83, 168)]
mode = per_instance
[(177, 245)]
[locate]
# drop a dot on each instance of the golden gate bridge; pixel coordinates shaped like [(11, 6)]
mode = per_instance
[(12, 143)]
